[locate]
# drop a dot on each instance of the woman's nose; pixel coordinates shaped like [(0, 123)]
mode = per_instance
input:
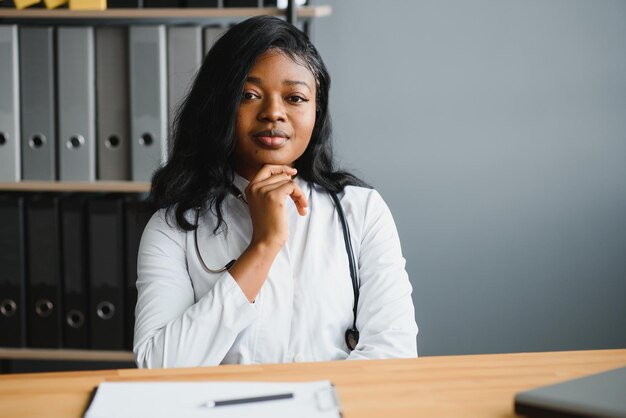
[(273, 110)]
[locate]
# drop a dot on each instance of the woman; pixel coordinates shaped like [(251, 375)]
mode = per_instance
[(250, 180)]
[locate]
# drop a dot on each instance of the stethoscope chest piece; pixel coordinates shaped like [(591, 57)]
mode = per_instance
[(352, 338)]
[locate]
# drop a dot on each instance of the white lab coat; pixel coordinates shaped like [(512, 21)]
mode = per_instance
[(188, 317)]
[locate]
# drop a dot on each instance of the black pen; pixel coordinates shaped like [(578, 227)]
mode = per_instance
[(213, 404)]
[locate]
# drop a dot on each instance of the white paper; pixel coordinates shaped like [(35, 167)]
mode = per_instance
[(188, 399)]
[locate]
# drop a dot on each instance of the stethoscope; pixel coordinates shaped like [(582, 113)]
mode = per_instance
[(352, 334)]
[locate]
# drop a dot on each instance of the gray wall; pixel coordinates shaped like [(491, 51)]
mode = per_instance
[(496, 132)]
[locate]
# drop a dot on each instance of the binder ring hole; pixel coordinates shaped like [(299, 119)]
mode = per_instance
[(37, 141), (75, 141), (44, 308), (3, 138), (146, 139), (75, 319), (8, 308), (112, 142), (105, 310)]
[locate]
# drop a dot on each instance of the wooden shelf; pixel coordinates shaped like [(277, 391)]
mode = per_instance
[(160, 14), (77, 186), (64, 354)]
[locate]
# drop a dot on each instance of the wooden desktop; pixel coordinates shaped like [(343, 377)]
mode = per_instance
[(445, 386)]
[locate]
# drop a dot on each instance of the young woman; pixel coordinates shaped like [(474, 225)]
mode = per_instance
[(247, 259)]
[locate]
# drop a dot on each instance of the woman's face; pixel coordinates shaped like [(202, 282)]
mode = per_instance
[(276, 115)]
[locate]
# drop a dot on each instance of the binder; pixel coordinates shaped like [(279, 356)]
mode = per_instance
[(211, 35), (12, 273), (88, 4), (113, 123), (137, 215), (184, 46), (204, 3), (10, 155), (126, 4), (74, 268), (162, 3), (43, 272), (148, 100), (38, 102), (106, 273), (76, 105), (243, 3)]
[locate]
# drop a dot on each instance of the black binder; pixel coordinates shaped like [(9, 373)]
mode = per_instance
[(74, 267), (43, 272), (243, 3), (106, 273), (127, 4), (162, 3), (138, 214), (12, 274)]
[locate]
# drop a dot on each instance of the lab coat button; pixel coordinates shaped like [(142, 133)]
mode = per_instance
[(299, 358)]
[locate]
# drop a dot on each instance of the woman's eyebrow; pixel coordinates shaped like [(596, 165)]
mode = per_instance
[(258, 81)]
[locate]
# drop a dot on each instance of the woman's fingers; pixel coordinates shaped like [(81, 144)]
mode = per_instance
[(280, 189), (269, 170)]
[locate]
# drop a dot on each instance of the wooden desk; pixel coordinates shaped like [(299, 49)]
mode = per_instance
[(451, 386)]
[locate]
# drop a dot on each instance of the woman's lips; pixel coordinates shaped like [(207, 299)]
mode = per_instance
[(271, 138)]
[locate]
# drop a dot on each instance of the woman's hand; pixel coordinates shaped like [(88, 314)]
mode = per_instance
[(267, 196)]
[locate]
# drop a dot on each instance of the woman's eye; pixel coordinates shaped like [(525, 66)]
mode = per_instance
[(297, 99), (248, 95)]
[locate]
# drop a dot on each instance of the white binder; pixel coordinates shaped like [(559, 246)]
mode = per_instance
[(77, 103), (10, 159), (148, 100)]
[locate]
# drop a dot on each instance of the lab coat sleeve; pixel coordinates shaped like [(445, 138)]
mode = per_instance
[(385, 313), (171, 328)]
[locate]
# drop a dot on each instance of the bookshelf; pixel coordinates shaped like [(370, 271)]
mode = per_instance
[(167, 16)]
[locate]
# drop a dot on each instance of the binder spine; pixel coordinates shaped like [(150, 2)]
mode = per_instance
[(113, 122), (10, 155), (148, 100), (75, 298), (106, 273), (76, 81), (38, 103), (12, 274), (184, 46), (43, 272)]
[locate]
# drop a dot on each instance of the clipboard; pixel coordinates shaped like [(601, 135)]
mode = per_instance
[(317, 399)]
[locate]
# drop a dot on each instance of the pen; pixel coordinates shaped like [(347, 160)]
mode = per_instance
[(213, 404)]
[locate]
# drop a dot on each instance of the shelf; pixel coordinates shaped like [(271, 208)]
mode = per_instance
[(76, 186), (64, 354), (172, 13)]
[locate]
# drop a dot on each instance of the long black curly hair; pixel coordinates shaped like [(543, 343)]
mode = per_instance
[(200, 170)]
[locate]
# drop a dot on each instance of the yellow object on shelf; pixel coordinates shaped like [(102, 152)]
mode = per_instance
[(22, 4), (88, 4), (53, 4)]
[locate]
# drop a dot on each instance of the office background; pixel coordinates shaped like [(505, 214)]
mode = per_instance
[(496, 132)]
